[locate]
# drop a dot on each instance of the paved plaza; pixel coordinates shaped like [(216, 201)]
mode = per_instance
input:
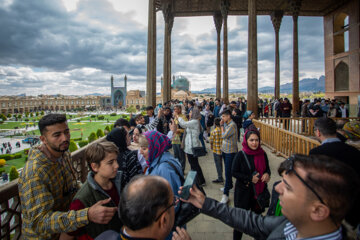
[(207, 228)]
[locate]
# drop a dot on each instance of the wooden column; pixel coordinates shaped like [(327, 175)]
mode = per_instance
[(151, 57), (169, 21), (218, 25), (276, 18), (252, 85), (295, 7), (224, 13)]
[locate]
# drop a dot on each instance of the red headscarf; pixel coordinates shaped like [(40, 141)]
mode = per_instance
[(259, 160)]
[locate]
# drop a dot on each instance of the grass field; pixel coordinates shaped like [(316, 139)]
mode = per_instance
[(18, 163)]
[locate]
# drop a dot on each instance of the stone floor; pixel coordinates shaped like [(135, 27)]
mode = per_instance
[(207, 228)]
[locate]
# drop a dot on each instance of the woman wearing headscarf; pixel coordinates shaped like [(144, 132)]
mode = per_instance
[(258, 174), (248, 123), (154, 147), (135, 145), (127, 159), (192, 131)]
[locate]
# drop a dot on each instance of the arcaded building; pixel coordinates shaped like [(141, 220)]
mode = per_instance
[(342, 54)]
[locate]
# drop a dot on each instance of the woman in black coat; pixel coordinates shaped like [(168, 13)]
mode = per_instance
[(258, 174)]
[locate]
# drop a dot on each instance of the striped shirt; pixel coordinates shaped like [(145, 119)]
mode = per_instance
[(229, 136), (46, 189), (216, 140), (291, 232)]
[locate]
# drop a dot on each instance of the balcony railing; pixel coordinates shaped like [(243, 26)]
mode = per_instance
[(303, 126), (10, 211), (283, 142)]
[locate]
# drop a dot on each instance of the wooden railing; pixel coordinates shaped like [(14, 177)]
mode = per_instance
[(303, 126), (283, 142), (10, 208)]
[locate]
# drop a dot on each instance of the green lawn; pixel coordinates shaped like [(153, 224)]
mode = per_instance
[(18, 163), (12, 125), (86, 128)]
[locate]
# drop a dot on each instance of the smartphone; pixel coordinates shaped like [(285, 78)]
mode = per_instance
[(189, 182)]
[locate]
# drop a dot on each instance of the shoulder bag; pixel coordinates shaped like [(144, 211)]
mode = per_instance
[(197, 151), (263, 199)]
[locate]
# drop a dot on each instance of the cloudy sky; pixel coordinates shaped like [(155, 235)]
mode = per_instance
[(74, 46)]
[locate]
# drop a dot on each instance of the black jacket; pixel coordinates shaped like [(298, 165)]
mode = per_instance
[(340, 151), (255, 225), (243, 188)]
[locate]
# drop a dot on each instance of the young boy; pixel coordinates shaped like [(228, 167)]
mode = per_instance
[(103, 183), (215, 144)]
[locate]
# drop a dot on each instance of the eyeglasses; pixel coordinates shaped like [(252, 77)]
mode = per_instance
[(174, 203), (292, 169)]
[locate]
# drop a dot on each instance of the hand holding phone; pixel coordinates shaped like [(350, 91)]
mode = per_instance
[(189, 182)]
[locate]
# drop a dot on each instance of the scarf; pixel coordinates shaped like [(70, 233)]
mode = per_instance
[(259, 162), (158, 144)]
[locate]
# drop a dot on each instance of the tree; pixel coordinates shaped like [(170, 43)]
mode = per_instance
[(92, 137), (14, 174), (3, 117), (2, 162), (131, 109), (100, 133), (72, 147), (107, 128)]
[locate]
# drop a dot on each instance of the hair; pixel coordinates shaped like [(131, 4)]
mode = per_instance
[(139, 209), (149, 108), (237, 111), (191, 103), (118, 136), (337, 184), (97, 151), (340, 123), (50, 119), (326, 126), (217, 121), (226, 112), (252, 131), (233, 102), (137, 117), (143, 142), (178, 106), (121, 122)]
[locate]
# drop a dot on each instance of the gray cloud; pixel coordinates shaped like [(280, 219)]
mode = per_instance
[(45, 48)]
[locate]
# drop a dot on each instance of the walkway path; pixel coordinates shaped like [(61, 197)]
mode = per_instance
[(207, 228)]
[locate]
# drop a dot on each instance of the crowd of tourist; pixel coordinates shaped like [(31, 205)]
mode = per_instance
[(134, 181)]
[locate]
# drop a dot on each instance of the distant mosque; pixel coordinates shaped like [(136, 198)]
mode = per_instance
[(118, 94), (180, 88)]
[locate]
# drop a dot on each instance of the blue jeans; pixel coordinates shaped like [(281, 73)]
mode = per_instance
[(201, 138), (228, 159)]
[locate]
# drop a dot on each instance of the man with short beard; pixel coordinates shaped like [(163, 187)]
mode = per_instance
[(48, 184)]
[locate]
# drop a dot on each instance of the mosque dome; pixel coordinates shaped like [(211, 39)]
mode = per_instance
[(181, 83)]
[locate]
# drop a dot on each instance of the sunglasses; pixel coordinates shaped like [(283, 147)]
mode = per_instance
[(173, 204), (292, 170)]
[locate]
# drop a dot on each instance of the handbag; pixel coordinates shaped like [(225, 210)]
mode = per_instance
[(186, 211), (198, 151), (263, 199)]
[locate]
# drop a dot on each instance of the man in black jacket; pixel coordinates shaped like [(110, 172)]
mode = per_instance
[(332, 146), (315, 194)]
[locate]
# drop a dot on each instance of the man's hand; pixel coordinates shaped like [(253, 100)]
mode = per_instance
[(180, 234), (100, 214), (160, 113), (196, 198), (221, 122)]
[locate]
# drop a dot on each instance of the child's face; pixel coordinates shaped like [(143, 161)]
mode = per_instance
[(145, 152), (108, 166)]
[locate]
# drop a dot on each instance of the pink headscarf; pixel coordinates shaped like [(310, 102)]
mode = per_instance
[(259, 160), (158, 143)]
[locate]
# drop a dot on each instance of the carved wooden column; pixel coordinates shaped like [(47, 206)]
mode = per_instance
[(252, 86), (218, 25), (151, 57), (169, 21), (276, 18), (295, 6), (224, 12)]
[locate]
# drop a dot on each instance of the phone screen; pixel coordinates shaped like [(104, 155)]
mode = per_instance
[(189, 182)]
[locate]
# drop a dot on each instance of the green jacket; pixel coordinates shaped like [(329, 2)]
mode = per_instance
[(89, 194)]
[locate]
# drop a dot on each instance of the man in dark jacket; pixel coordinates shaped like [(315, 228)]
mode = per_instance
[(332, 146), (316, 194)]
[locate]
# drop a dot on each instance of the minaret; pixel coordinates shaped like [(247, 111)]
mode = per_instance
[(125, 80)]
